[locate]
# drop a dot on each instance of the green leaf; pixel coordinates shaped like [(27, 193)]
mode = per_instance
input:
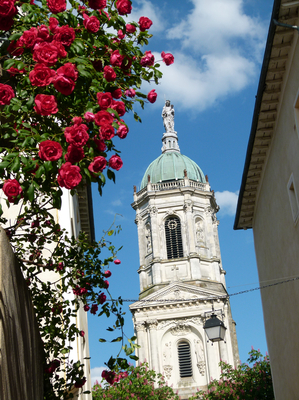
[(16, 165), (111, 175), (8, 63), (102, 340), (30, 192), (134, 358), (119, 339), (40, 172), (4, 164)]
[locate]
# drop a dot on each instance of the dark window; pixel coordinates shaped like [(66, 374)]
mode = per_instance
[(185, 362), (174, 243)]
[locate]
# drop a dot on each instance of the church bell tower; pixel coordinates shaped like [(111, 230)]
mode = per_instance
[(181, 273)]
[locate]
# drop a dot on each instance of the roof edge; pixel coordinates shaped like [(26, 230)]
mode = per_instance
[(260, 91)]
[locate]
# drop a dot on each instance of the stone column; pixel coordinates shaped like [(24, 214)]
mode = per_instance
[(154, 347), (141, 241), (142, 342), (190, 239)]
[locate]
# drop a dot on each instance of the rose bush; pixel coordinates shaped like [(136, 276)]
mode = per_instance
[(244, 382), (136, 383), (69, 77)]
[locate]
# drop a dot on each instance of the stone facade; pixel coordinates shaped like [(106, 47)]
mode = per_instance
[(268, 200), (180, 281)]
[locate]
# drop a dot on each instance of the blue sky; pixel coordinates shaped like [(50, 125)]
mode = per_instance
[(218, 47)]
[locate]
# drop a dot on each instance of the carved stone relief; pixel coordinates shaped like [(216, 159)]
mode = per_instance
[(174, 323), (167, 371), (181, 329), (153, 210), (167, 354), (188, 206), (199, 353), (148, 237), (200, 235)]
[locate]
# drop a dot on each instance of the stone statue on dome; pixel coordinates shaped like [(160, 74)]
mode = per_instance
[(168, 116)]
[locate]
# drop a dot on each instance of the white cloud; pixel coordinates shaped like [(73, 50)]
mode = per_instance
[(227, 202), (117, 202), (216, 26), (96, 374), (200, 83), (217, 50)]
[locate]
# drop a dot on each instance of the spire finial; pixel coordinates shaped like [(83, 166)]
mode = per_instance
[(170, 139)]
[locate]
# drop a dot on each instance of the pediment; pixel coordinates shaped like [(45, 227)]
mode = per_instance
[(181, 292)]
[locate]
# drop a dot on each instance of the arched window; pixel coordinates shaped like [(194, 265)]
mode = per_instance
[(185, 362), (173, 234)]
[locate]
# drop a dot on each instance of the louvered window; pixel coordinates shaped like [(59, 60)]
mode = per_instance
[(185, 362), (174, 243)]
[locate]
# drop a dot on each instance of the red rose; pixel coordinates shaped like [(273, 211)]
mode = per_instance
[(94, 309), (7, 8), (69, 176), (41, 75), (43, 33), (65, 35), (56, 6), (49, 150), (152, 96), (77, 120), (92, 24), (80, 383), (105, 100), (89, 116), (86, 307), (116, 94), (103, 118), (12, 189), (167, 58), (106, 284), (130, 93), (123, 7), (119, 107), (97, 4), (98, 165), (120, 34), (53, 24), (77, 135), (107, 132), (6, 94), (130, 28), (107, 274), (15, 71), (28, 39), (116, 59), (148, 59), (48, 53), (15, 48), (109, 74), (144, 23), (117, 261), (65, 79), (74, 154), (6, 23), (115, 162), (122, 131), (82, 333), (98, 65), (45, 104), (102, 297), (100, 145)]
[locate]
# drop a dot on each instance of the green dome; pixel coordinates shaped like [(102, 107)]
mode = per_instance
[(170, 166)]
